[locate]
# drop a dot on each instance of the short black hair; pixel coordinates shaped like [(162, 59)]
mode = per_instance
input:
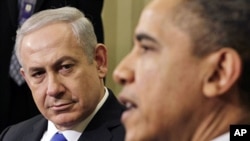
[(215, 24)]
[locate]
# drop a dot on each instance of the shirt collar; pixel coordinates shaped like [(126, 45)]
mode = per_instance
[(223, 137)]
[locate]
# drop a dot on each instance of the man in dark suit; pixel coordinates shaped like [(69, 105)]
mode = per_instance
[(16, 102), (64, 67)]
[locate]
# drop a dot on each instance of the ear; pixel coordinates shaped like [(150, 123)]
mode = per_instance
[(101, 60), (223, 71), (22, 72)]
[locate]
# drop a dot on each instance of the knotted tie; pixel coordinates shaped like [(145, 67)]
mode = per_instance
[(26, 9), (58, 137)]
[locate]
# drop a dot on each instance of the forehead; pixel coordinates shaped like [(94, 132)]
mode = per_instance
[(158, 20), (49, 43), (164, 8), (49, 33), (49, 36), (158, 14), (164, 5)]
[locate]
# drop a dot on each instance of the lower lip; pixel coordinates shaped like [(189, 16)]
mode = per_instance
[(126, 114), (61, 107)]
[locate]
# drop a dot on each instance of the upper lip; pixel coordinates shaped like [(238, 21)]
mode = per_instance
[(129, 104)]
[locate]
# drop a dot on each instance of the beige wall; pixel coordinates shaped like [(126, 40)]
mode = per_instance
[(119, 19)]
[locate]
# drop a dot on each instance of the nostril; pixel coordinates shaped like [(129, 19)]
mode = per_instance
[(122, 81), (59, 95)]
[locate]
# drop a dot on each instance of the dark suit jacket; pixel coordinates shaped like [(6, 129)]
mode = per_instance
[(16, 103), (105, 126)]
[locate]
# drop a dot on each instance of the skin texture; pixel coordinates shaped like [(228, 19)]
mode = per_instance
[(166, 88), (65, 86)]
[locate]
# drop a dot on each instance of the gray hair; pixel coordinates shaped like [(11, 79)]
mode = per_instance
[(82, 28)]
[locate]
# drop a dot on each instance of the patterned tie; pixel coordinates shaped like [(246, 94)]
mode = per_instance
[(58, 137), (25, 11)]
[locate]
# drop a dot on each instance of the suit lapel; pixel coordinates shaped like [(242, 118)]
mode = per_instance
[(37, 131), (105, 119), (99, 134)]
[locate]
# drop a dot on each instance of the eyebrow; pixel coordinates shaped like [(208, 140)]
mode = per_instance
[(143, 36), (58, 62)]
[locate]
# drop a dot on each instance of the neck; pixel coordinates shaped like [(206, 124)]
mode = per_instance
[(219, 119)]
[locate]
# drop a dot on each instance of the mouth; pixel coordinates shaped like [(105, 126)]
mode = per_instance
[(61, 106), (129, 105), (130, 109)]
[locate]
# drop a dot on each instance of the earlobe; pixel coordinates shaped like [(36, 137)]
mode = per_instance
[(225, 68), (101, 59)]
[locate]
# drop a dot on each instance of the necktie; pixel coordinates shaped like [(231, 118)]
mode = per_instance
[(26, 8), (58, 137)]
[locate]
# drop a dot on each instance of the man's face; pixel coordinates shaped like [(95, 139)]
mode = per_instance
[(65, 86), (158, 77)]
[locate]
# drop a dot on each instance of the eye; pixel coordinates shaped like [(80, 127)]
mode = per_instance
[(145, 42), (66, 68), (145, 48), (38, 74)]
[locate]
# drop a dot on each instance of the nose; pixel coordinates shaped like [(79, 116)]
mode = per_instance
[(124, 72), (54, 85)]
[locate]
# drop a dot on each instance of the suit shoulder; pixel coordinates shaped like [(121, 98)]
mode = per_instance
[(28, 122), (14, 132)]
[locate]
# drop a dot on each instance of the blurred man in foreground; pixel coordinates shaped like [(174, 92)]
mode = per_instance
[(187, 77)]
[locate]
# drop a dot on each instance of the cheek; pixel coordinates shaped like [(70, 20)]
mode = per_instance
[(162, 92), (151, 123), (155, 106), (146, 73), (85, 89), (39, 99), (39, 95), (152, 97)]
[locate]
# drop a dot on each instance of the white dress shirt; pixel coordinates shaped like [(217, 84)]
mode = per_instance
[(223, 137), (75, 133)]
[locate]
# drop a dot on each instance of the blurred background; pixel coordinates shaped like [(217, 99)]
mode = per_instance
[(119, 19)]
